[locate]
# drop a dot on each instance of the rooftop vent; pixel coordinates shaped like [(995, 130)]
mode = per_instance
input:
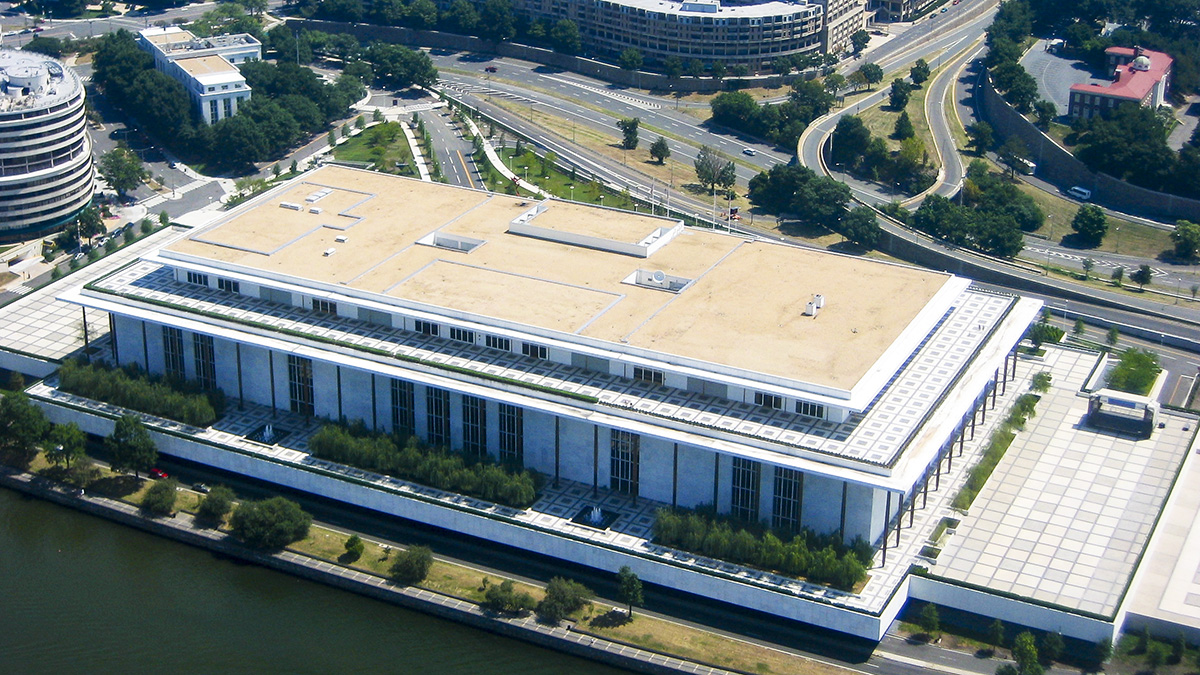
[(318, 195), (329, 251), (341, 239), (657, 280), (814, 306), (452, 242), (291, 206), (314, 209)]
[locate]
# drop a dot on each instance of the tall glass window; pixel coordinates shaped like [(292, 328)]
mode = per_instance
[(744, 504), (404, 423), (300, 385), (512, 435), (626, 455), (173, 353), (437, 416), (205, 359), (785, 514), (474, 411)]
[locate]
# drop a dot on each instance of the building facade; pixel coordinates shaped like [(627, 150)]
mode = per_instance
[(620, 351), (734, 34), (1139, 75), (206, 67), (46, 171)]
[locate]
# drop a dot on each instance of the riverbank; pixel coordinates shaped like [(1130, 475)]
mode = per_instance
[(582, 638)]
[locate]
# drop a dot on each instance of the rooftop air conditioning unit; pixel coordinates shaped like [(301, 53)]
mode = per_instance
[(329, 251), (341, 239)]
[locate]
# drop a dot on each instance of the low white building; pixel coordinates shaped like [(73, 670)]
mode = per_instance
[(207, 67), (624, 352)]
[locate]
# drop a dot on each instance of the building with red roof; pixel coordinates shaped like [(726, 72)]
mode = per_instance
[(1139, 76)]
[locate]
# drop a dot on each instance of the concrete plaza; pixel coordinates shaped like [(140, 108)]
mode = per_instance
[(1066, 516)]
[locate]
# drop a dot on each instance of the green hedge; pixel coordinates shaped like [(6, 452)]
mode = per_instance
[(418, 463), (819, 559), (131, 388), (998, 444)]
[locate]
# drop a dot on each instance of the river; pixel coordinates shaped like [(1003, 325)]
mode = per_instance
[(81, 594)]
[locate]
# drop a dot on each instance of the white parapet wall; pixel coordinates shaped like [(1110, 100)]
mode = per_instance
[(499, 530), (1012, 610)]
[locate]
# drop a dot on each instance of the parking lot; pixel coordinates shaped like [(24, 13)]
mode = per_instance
[(1055, 73)]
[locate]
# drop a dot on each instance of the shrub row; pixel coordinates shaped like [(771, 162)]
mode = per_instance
[(821, 560), (998, 444), (422, 464), (131, 388)]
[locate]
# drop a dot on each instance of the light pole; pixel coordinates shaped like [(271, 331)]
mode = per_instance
[(1118, 240), (571, 187)]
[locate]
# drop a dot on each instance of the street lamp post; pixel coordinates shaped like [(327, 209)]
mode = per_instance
[(571, 187)]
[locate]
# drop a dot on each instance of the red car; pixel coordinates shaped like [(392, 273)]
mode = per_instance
[(490, 69), (158, 473)]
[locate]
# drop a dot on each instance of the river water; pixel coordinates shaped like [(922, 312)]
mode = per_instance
[(81, 594)]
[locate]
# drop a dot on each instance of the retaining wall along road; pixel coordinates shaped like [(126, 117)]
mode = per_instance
[(1056, 165)]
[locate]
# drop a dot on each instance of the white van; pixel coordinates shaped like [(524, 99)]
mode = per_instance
[(1082, 194)]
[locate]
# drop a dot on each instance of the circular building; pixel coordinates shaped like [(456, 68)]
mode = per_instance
[(46, 172)]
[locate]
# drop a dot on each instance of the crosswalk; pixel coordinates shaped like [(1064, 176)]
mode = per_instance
[(480, 90), (616, 95), (1099, 262)]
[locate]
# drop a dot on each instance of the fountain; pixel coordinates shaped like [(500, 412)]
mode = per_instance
[(595, 517)]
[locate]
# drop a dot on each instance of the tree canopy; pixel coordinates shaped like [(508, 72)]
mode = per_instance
[(130, 446), (270, 523), (22, 428)]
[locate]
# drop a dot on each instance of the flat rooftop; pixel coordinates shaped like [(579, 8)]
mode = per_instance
[(1066, 516), (743, 306), (198, 66)]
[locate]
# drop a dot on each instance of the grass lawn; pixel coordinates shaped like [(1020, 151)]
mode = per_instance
[(680, 174), (673, 638), (384, 145), (1134, 238), (881, 119)]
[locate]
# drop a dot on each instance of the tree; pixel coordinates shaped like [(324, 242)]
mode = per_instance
[(354, 548), (904, 127), (122, 169), (849, 140), (1051, 645), (872, 72), (1079, 327), (1102, 650), (717, 69), (412, 565), (1012, 153), (629, 589), (503, 597), (1186, 237), (982, 137), (673, 67), (834, 82), (708, 166), (22, 428), (695, 68), (497, 20), (995, 634), (215, 505), (1178, 648), (130, 446), (1007, 669), (1156, 656), (1024, 652), (564, 37), (270, 523), (659, 150), (159, 500), (1118, 275), (1045, 111), (900, 94), (49, 46), (629, 129), (919, 72), (1090, 224), (630, 59), (859, 40), (1041, 383), (929, 621), (858, 80), (861, 227), (1113, 336), (66, 444), (1142, 276), (1088, 265), (563, 598)]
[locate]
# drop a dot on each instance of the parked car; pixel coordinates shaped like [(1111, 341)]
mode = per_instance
[(200, 487), (158, 473)]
